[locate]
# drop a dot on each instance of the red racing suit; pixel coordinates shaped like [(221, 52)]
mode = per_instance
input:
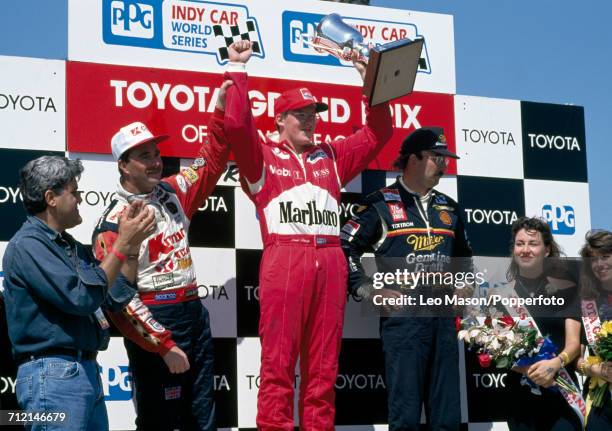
[(303, 273), (167, 289)]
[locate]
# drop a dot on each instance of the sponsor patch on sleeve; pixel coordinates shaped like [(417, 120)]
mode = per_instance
[(440, 199), (391, 195), (154, 324), (198, 163), (182, 184), (445, 218), (190, 175), (351, 227)]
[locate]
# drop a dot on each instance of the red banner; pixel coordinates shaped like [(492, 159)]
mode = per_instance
[(103, 98)]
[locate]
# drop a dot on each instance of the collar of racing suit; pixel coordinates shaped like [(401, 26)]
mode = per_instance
[(151, 198), (421, 202), (273, 139)]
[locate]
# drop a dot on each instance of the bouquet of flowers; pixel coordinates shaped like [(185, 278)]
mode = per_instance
[(499, 341), (506, 343), (603, 347)]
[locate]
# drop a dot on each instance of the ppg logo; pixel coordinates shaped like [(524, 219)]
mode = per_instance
[(299, 32), (561, 219), (297, 28), (131, 19), (117, 383)]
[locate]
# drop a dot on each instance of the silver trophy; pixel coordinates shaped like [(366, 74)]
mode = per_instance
[(392, 67)]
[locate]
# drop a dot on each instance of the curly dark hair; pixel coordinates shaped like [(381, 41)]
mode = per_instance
[(597, 242), (531, 224)]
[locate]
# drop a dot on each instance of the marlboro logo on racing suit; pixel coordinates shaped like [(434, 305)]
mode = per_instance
[(309, 216)]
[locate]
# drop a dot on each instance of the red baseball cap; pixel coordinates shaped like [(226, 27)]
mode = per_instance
[(297, 98)]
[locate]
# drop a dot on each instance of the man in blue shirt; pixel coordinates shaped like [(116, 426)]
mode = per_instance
[(54, 291)]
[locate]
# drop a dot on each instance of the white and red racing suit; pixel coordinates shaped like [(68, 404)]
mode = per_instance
[(303, 273), (166, 311)]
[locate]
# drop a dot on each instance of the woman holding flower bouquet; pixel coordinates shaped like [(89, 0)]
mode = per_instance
[(596, 293), (540, 399)]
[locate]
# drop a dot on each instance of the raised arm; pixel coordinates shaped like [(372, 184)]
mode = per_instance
[(354, 153), (194, 184), (239, 123)]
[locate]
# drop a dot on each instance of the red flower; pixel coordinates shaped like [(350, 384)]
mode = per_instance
[(488, 321), (485, 360), (508, 320), (457, 323)]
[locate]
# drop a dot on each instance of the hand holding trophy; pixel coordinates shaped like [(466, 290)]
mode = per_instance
[(391, 67)]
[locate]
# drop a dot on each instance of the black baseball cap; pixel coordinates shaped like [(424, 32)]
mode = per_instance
[(427, 139)]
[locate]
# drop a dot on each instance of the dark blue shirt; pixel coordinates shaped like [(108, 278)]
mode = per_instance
[(52, 287)]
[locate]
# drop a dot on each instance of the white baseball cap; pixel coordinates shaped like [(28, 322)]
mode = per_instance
[(132, 135)]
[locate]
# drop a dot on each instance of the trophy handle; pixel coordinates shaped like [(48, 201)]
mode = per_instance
[(324, 45)]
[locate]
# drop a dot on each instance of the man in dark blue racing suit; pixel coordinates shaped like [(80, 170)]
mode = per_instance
[(412, 221)]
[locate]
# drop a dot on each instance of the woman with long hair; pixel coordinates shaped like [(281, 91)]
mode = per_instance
[(537, 403), (596, 288)]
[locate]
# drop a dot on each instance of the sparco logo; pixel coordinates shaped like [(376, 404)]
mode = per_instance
[(568, 143), (360, 381), (309, 216), (561, 219), (479, 216), (488, 137), (26, 103)]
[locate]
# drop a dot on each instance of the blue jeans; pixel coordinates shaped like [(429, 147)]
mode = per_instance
[(61, 384)]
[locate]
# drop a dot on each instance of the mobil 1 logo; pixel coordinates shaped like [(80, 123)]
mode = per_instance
[(12, 212), (553, 142), (489, 206)]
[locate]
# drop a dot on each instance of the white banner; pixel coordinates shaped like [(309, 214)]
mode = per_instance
[(194, 34), (33, 103), (565, 206), (488, 137)]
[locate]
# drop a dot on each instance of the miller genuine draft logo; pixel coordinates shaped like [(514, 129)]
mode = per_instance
[(424, 242)]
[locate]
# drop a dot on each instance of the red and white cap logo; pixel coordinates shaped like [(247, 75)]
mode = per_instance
[(307, 95), (132, 135)]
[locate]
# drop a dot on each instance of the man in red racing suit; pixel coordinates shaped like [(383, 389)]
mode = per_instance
[(295, 186), (167, 329)]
